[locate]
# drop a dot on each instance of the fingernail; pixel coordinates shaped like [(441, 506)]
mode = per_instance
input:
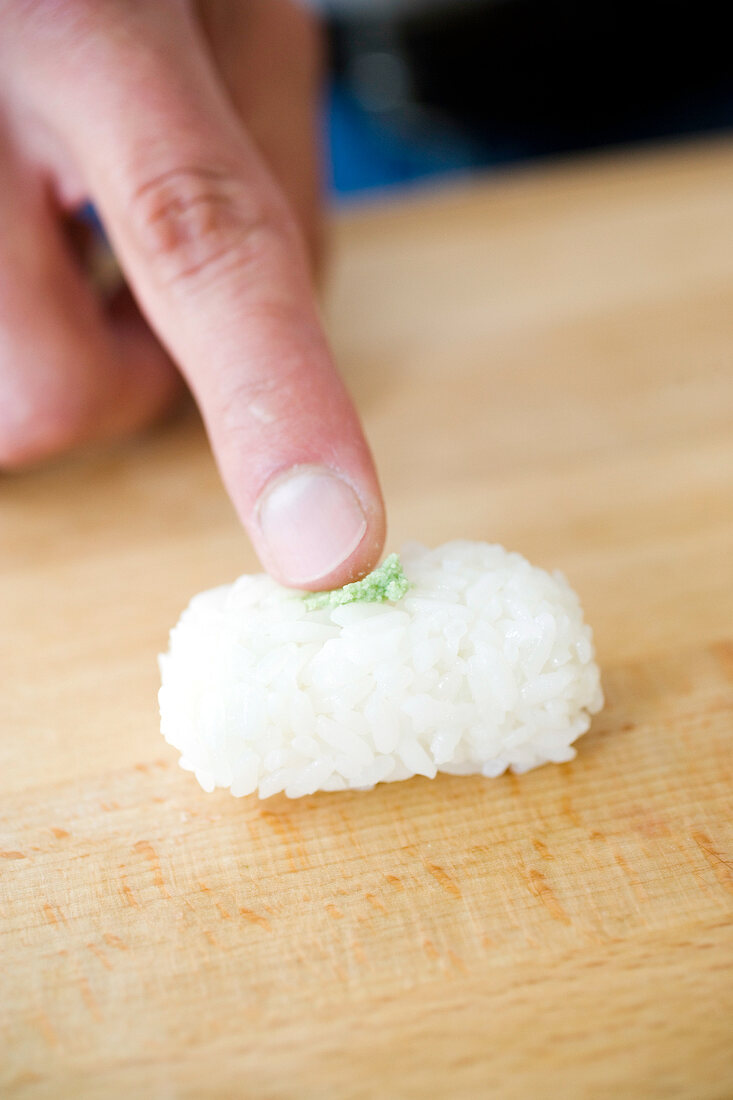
[(311, 521)]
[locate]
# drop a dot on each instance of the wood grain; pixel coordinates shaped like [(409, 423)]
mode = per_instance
[(542, 359)]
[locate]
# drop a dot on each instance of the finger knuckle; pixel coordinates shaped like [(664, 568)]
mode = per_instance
[(193, 223)]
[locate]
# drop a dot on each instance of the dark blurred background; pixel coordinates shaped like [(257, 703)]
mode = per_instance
[(420, 87)]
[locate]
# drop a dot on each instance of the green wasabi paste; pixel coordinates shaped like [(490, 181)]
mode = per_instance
[(387, 582)]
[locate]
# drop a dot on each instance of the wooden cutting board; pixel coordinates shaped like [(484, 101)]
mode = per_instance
[(543, 359)]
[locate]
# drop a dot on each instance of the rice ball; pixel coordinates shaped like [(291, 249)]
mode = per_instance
[(484, 664)]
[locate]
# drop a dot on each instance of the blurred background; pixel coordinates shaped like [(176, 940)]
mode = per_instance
[(426, 87)]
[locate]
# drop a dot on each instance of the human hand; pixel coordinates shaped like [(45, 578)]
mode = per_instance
[(191, 127)]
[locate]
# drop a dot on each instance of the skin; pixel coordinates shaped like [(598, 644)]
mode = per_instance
[(191, 128)]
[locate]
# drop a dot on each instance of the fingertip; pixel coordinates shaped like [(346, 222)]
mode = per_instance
[(314, 529)]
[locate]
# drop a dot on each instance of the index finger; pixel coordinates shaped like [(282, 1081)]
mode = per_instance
[(218, 264)]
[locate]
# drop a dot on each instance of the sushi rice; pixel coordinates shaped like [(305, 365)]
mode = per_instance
[(484, 664)]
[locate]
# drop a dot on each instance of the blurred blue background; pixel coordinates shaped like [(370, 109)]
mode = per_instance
[(424, 87)]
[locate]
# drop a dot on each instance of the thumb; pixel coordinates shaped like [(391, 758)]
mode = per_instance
[(218, 265)]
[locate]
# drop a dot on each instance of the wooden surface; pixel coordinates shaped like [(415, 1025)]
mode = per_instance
[(544, 360)]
